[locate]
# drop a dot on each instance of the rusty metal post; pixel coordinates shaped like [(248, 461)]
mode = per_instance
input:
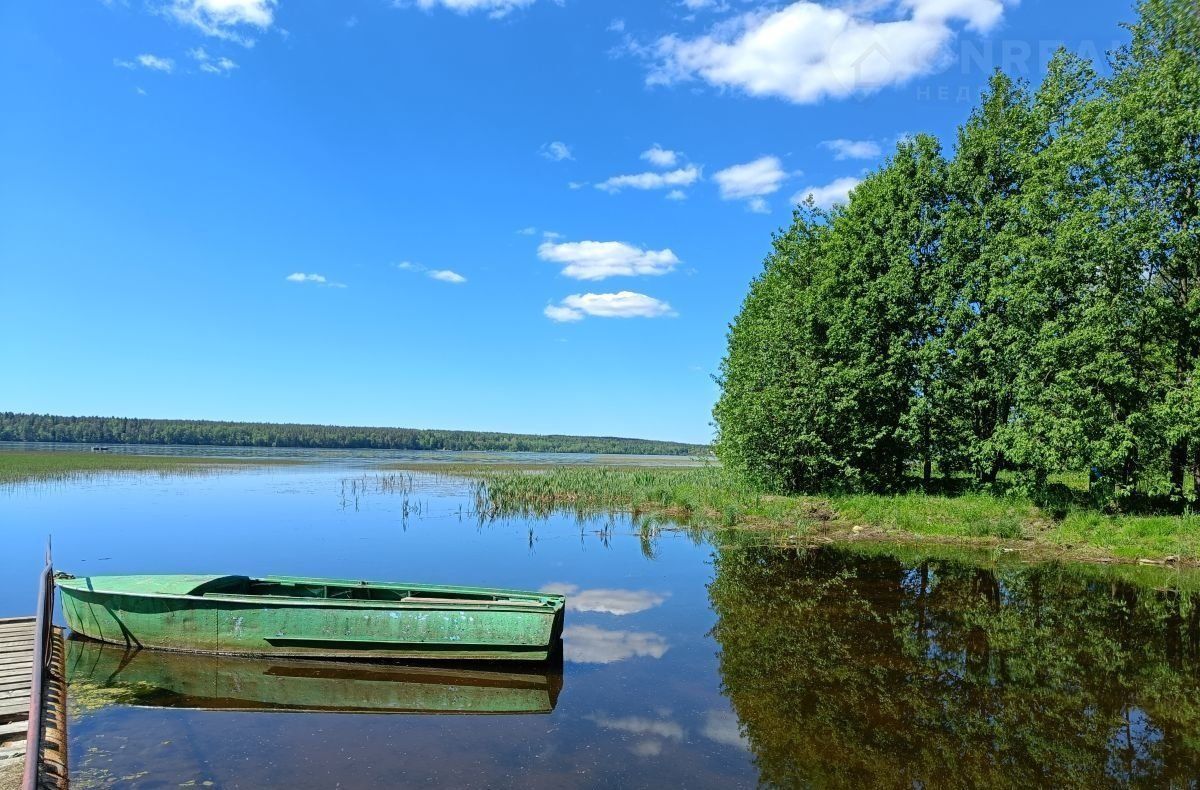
[(42, 655)]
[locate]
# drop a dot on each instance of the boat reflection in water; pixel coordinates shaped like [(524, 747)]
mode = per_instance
[(152, 678)]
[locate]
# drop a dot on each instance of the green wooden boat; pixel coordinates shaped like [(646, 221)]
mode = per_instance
[(100, 674), (327, 618)]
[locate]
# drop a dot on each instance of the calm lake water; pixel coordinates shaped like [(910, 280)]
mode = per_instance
[(687, 662)]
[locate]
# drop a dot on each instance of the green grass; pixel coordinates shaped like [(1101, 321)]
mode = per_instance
[(1130, 537), (708, 497), (965, 516), (20, 466)]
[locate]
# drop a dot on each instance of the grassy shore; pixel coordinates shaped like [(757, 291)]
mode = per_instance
[(21, 466), (708, 497)]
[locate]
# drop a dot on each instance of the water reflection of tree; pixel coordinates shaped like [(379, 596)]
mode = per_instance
[(853, 670)]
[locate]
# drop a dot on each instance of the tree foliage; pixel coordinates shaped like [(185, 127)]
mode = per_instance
[(1030, 303)]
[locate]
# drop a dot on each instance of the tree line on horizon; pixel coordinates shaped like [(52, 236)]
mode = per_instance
[(17, 427), (1028, 304)]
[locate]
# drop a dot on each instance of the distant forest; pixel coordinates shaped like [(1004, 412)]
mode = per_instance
[(15, 427)]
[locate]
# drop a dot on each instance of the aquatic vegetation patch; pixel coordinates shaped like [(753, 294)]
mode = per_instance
[(22, 466)]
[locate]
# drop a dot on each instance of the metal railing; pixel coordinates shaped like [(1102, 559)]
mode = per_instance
[(43, 652)]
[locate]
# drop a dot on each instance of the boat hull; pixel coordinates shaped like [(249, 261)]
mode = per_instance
[(310, 627)]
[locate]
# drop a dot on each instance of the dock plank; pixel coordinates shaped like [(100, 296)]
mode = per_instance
[(13, 728)]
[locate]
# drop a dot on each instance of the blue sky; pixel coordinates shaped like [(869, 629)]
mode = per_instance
[(515, 215)]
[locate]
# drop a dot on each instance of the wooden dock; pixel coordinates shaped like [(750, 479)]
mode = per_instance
[(33, 693)]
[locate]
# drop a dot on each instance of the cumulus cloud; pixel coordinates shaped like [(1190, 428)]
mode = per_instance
[(617, 602), (683, 177), (596, 260), (677, 194), (556, 151), (853, 149), (836, 191), (806, 51), (722, 726), (751, 182), (225, 19), (314, 279), (660, 157), (587, 644), (623, 304), (637, 725), (446, 276), (562, 315)]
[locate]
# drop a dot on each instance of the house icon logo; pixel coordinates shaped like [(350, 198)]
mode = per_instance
[(871, 68)]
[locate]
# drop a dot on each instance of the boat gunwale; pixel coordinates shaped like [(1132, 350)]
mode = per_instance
[(552, 604), (283, 709)]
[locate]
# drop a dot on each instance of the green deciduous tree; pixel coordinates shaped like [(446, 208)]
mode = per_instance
[(1031, 305)]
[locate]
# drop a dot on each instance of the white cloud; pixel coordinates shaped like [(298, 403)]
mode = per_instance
[(806, 51), (596, 260), (752, 179), (315, 279), (758, 206), (446, 276), (530, 231), (660, 157), (441, 275), (154, 63), (618, 602), (556, 151), (211, 65), (853, 149), (663, 728), (494, 8), (980, 15), (225, 19), (677, 194), (836, 191), (624, 304), (683, 177), (587, 644), (301, 277), (576, 184), (562, 315), (616, 26), (722, 726), (647, 747)]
